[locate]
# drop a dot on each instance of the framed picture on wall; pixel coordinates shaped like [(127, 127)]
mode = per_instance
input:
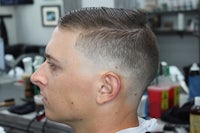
[(50, 15)]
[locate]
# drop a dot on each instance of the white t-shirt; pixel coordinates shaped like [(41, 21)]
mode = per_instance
[(144, 126)]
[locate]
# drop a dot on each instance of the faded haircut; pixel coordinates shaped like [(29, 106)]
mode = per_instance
[(116, 39)]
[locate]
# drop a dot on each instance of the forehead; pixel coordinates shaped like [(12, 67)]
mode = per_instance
[(61, 47), (61, 41)]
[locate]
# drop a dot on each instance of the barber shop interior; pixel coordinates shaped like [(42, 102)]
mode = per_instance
[(27, 26)]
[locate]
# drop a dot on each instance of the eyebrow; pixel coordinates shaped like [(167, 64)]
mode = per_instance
[(51, 57)]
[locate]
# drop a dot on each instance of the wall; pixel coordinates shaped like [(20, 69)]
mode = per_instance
[(25, 26), (97, 3), (179, 51), (29, 23), (72, 4), (10, 23)]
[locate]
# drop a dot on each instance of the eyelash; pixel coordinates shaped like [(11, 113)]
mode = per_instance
[(52, 65)]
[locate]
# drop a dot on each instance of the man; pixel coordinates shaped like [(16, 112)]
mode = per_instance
[(99, 62)]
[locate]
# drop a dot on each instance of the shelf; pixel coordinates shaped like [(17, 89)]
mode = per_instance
[(165, 29), (173, 32), (5, 16), (174, 12), (155, 19)]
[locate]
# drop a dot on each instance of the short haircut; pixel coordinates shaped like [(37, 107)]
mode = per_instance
[(117, 39)]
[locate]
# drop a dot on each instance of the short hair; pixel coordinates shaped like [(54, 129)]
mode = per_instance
[(117, 39)]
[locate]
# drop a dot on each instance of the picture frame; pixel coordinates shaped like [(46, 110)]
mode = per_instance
[(50, 15)]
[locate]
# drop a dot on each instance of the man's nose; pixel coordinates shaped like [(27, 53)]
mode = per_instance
[(38, 77)]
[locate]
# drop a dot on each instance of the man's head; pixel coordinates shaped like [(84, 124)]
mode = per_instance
[(99, 60), (116, 39)]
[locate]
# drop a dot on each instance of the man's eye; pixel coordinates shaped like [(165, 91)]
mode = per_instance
[(52, 65)]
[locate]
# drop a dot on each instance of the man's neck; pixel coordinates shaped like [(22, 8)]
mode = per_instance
[(107, 124)]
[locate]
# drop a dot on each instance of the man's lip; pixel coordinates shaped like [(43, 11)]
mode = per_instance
[(44, 99)]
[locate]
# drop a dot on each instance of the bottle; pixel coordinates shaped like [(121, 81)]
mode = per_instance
[(180, 22), (195, 116), (194, 81), (38, 60), (194, 70)]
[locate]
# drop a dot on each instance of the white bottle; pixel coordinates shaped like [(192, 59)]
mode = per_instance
[(27, 62), (181, 22), (194, 70)]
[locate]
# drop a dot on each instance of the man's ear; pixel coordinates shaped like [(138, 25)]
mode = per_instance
[(109, 89)]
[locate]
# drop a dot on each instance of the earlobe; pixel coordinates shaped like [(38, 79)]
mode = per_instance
[(109, 89)]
